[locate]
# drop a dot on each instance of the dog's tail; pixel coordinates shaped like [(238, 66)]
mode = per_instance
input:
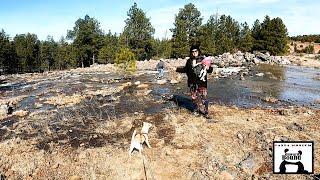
[(134, 134)]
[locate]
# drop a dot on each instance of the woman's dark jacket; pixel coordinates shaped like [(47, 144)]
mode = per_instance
[(193, 79)]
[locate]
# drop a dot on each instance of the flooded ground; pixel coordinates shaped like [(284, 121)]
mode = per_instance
[(289, 85)]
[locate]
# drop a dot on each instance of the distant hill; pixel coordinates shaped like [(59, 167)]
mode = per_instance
[(307, 38)]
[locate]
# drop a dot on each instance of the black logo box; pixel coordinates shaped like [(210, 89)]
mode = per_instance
[(312, 142)]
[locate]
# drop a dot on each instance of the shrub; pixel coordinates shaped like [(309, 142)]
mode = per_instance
[(125, 60)]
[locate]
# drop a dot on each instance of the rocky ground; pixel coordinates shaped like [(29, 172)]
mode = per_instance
[(71, 133)]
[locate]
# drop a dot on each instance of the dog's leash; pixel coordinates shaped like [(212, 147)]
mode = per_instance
[(144, 160)]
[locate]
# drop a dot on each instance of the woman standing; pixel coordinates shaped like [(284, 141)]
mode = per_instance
[(196, 69)]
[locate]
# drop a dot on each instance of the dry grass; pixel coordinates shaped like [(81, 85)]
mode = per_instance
[(183, 147)]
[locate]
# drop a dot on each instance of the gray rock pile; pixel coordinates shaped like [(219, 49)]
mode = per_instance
[(241, 59)]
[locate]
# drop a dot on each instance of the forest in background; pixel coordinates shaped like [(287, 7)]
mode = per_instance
[(87, 43)]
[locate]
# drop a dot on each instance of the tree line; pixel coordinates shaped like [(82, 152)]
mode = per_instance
[(87, 43), (307, 38)]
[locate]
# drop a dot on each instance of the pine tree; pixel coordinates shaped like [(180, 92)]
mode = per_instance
[(162, 48), (5, 51), (208, 34), (87, 38), (49, 53), (245, 39), (110, 48), (280, 34), (227, 34), (186, 31), (27, 48), (138, 33), (271, 35), (256, 34)]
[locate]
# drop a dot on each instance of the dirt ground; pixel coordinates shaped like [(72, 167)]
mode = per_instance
[(238, 144), (305, 60)]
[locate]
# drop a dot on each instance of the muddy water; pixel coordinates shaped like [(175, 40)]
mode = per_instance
[(291, 85)]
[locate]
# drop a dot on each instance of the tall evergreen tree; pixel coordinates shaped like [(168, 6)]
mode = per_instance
[(86, 36), (162, 48), (227, 34), (27, 48), (138, 32), (280, 34), (208, 35), (271, 35), (186, 31), (245, 38), (49, 53), (5, 52), (62, 55), (107, 53), (165, 48), (256, 34)]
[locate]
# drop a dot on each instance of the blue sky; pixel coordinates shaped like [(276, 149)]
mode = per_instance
[(55, 17)]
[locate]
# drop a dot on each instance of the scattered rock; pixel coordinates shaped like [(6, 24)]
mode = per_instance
[(3, 110), (240, 137), (260, 74), (126, 84), (285, 112), (256, 60), (38, 105), (143, 86), (285, 61), (263, 57), (295, 126), (137, 83), (270, 99), (161, 81), (173, 81)]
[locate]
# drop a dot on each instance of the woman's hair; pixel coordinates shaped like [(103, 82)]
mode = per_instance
[(194, 47)]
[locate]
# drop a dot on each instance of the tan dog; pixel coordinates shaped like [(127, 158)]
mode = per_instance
[(139, 138)]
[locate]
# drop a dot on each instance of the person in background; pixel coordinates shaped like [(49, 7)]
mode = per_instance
[(196, 69), (160, 68)]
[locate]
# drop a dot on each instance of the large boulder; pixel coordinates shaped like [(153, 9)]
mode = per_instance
[(263, 57), (256, 60), (249, 57), (285, 61)]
